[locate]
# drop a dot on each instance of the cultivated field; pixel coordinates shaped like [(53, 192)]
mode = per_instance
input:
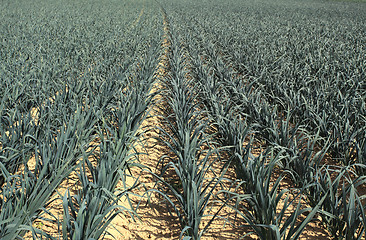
[(170, 119)]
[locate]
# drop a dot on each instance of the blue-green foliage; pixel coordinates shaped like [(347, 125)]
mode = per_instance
[(289, 76), (75, 78), (241, 76)]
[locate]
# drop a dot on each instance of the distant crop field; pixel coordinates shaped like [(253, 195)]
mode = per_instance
[(182, 119), (360, 1)]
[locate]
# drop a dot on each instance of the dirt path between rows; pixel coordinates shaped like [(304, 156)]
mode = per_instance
[(155, 220)]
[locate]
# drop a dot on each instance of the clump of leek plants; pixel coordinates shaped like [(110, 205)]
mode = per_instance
[(191, 155), (342, 210)]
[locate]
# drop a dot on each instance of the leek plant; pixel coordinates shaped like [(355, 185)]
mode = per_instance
[(70, 93), (185, 135), (291, 67), (259, 204), (342, 210), (88, 214), (55, 158)]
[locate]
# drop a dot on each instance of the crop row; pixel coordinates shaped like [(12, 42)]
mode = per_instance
[(273, 105), (74, 90)]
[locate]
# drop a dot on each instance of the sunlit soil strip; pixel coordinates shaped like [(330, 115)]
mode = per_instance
[(155, 222)]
